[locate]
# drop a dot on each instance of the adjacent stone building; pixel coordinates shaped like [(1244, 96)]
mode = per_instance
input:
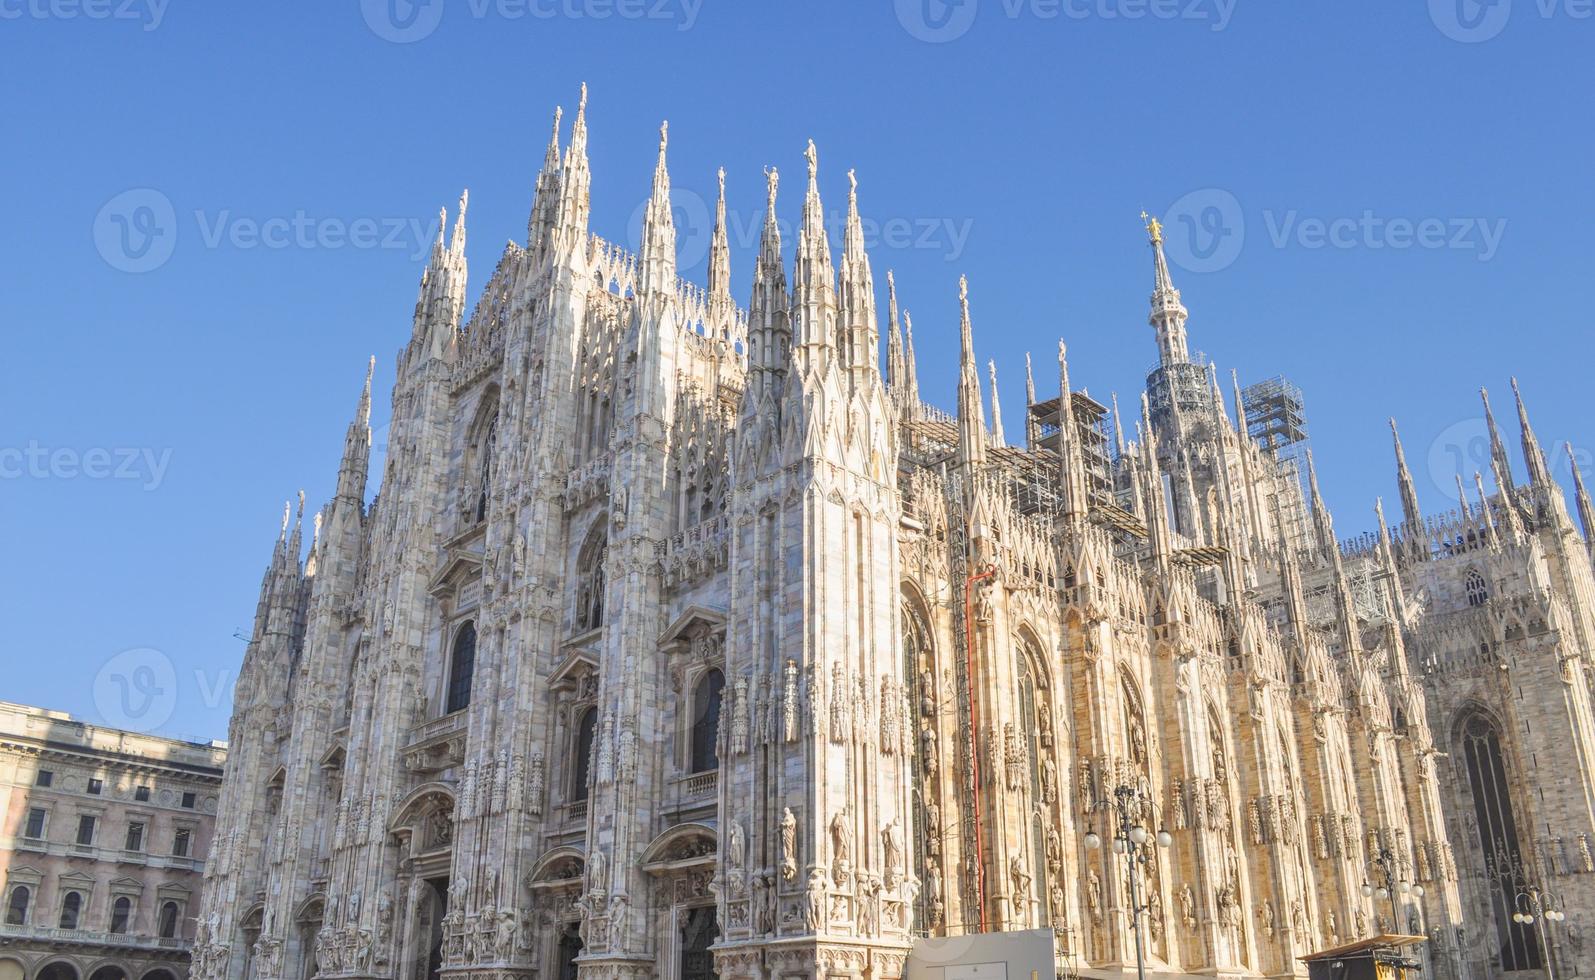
[(683, 640), (102, 847)]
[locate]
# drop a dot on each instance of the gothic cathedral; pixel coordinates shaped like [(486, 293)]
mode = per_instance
[(682, 641)]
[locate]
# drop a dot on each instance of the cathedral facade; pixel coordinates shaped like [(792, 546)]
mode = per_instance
[(683, 640)]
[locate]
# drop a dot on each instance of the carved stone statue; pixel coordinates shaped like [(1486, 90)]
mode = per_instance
[(788, 844), (736, 847), (814, 912), (892, 850), (841, 847)]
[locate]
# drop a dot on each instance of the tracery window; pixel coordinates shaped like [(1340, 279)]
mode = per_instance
[(1498, 839), (1478, 592), (919, 674), (1134, 723), (1043, 772), (590, 582), (706, 702), (487, 451), (462, 667)]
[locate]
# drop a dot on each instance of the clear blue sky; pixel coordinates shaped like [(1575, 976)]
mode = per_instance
[(1014, 142)]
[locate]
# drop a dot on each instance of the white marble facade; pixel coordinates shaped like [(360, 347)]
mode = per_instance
[(664, 646)]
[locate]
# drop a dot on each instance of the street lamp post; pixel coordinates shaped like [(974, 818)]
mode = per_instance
[(1122, 812), (1533, 905), (1388, 883)]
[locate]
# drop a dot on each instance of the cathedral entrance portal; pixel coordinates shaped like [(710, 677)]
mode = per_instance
[(699, 929), (436, 900), (570, 947)]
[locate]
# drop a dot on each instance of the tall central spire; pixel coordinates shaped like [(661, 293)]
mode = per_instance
[(1168, 313)]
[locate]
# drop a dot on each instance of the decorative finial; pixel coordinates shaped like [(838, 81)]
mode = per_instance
[(852, 181), (582, 106), (722, 176), (813, 157), (301, 504), (963, 289), (664, 135), (287, 515), (1154, 228), (772, 179)]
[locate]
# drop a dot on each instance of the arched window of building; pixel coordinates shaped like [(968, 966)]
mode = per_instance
[(1134, 722), (169, 913), (1478, 592), (581, 764), (71, 906), (1498, 839), (121, 911), (462, 666), (919, 675), (486, 451), (706, 698), (1043, 776), (17, 907), (590, 582)]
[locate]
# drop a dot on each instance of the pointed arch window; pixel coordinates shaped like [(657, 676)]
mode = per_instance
[(71, 907), (1134, 723), (1478, 592), (17, 907), (582, 763), (1498, 840), (487, 449), (706, 700), (462, 667), (1043, 779), (590, 582)]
